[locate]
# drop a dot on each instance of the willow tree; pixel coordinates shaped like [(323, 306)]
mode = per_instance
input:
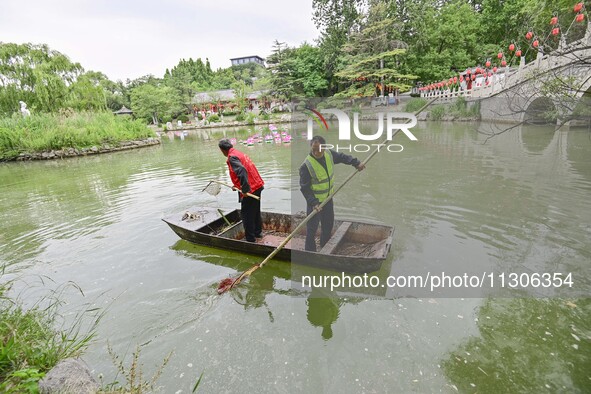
[(372, 55), (36, 75)]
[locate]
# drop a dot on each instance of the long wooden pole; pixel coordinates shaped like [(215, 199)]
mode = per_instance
[(225, 286), (233, 188)]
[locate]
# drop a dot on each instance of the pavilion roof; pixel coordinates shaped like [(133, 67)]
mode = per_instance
[(123, 111)]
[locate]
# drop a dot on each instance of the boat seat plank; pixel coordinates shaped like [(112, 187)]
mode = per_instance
[(336, 238), (230, 229)]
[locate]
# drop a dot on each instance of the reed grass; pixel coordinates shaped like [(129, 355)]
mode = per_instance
[(34, 339), (45, 132), (133, 374)]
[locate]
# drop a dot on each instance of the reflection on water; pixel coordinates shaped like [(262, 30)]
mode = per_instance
[(518, 202), (537, 139), (546, 352), (323, 310)]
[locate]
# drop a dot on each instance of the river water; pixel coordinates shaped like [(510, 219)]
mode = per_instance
[(518, 202)]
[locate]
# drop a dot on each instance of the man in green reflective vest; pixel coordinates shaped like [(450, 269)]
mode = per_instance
[(316, 183)]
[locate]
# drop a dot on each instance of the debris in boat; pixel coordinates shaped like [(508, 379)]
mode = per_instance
[(355, 249), (190, 216)]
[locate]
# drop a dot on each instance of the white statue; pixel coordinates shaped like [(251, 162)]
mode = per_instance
[(24, 111)]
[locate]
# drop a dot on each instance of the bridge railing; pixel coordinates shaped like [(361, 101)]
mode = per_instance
[(509, 77)]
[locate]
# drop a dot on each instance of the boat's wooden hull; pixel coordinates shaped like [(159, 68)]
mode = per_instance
[(356, 247)]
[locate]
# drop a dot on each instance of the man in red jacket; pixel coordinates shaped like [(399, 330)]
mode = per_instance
[(246, 179)]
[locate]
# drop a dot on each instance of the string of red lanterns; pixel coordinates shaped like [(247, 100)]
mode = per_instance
[(579, 9)]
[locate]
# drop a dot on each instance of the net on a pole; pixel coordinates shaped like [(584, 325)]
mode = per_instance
[(213, 188)]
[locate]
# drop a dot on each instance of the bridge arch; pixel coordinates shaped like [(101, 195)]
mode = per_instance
[(540, 110), (581, 115)]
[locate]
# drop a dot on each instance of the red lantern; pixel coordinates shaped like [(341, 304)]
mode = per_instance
[(500, 55), (477, 70), (518, 53), (468, 71), (495, 69), (512, 47), (461, 78), (578, 7), (487, 64), (554, 20), (473, 77), (489, 74), (580, 18), (455, 79), (535, 44), (503, 63), (529, 35), (555, 31)]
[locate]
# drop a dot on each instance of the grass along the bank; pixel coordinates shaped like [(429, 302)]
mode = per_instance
[(414, 104), (31, 342), (45, 132), (459, 109)]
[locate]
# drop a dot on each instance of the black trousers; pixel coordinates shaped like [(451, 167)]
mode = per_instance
[(251, 216), (326, 219)]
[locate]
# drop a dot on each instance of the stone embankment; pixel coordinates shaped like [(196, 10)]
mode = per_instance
[(75, 152)]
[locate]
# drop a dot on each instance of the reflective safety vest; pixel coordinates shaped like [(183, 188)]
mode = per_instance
[(254, 179), (322, 180)]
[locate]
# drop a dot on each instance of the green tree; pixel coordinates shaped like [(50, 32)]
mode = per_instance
[(87, 92), (296, 71), (446, 41), (152, 102), (222, 78), (180, 78), (36, 75), (117, 94), (372, 55), (241, 90), (308, 71), (279, 63), (336, 20)]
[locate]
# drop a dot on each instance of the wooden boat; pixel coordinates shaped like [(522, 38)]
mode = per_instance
[(355, 247)]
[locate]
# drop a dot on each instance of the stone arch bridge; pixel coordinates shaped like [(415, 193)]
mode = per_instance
[(554, 88)]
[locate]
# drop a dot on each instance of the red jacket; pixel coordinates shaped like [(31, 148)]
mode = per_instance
[(254, 179)]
